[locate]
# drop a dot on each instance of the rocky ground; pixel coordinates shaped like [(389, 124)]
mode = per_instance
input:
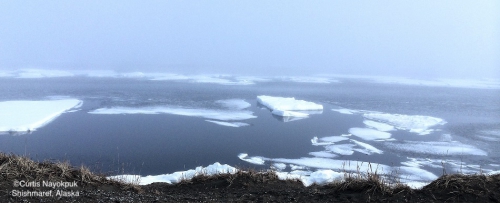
[(248, 186)]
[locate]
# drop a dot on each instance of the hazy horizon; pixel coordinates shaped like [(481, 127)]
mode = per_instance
[(453, 39)]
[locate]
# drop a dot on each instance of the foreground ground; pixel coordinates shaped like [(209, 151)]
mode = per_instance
[(241, 187)]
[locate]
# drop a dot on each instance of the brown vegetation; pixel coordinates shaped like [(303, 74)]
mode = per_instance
[(243, 186)]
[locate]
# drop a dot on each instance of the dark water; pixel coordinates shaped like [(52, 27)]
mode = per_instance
[(163, 143)]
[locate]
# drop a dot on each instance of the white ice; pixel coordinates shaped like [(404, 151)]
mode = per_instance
[(229, 124), (204, 113), (289, 113), (327, 140), (234, 103), (310, 79), (254, 160), (323, 154), (345, 111), (279, 166), (342, 149), (368, 149), (39, 73), (23, 116), (413, 123), (378, 126), (177, 177), (369, 134), (287, 103), (436, 148)]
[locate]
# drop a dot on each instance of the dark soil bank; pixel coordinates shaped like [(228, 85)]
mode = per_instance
[(246, 186)]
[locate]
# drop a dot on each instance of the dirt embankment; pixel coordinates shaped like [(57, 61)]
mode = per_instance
[(23, 180)]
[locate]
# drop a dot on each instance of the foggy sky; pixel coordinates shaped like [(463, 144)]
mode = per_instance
[(397, 38)]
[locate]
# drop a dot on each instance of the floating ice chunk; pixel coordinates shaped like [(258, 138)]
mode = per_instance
[(369, 134), (177, 177), (289, 114), (416, 174), (369, 148), (378, 126), (279, 166), (254, 160), (323, 154), (327, 140), (342, 149), (296, 167), (287, 104), (437, 148), (204, 113), (345, 111), (333, 139), (417, 124), (494, 172), (234, 103), (229, 124), (21, 116), (217, 79)]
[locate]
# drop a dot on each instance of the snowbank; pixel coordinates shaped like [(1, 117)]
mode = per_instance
[(22, 116)]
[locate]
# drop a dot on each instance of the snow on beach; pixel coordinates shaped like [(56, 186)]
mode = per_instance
[(24, 116)]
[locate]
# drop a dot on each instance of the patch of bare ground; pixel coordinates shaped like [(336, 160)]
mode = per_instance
[(243, 186)]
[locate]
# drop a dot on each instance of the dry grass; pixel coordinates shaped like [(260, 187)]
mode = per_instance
[(14, 167)]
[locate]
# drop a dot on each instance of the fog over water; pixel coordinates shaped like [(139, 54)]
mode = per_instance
[(455, 39)]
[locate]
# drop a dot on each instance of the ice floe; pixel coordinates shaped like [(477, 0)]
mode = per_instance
[(436, 148), (234, 103), (289, 107), (324, 154), (225, 115), (342, 149), (254, 160), (413, 123), (289, 113), (310, 80), (287, 103), (26, 116), (179, 176), (379, 126), (368, 149), (229, 124), (369, 134), (327, 140)]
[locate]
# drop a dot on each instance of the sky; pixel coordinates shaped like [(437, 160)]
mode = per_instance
[(456, 39)]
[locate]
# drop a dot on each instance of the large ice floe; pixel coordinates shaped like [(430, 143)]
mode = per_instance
[(289, 108), (26, 116), (418, 124), (233, 111)]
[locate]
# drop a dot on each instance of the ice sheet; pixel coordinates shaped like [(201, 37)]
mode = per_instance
[(436, 148), (224, 115), (413, 123), (369, 134), (21, 116), (229, 124), (177, 177), (378, 126), (287, 103)]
